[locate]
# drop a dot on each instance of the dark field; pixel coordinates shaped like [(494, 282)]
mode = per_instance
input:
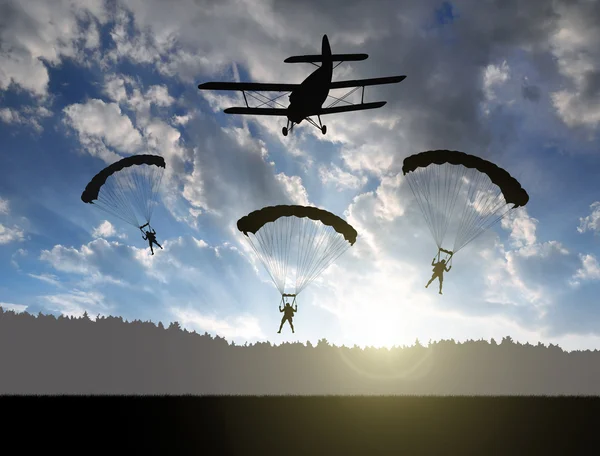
[(310, 425)]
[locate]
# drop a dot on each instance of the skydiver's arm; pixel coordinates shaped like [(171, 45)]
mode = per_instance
[(449, 267), (144, 237), (296, 308), (433, 262), (280, 309)]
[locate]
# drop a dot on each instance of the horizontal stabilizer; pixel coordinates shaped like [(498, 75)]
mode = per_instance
[(257, 111), (366, 82), (354, 107), (251, 86), (319, 58)]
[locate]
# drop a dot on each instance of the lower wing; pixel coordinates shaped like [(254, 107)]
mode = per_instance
[(349, 108), (257, 111)]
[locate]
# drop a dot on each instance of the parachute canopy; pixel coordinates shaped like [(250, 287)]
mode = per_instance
[(461, 191), (127, 189), (300, 240)]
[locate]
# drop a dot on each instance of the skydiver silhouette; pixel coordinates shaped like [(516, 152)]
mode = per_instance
[(438, 271), (288, 315), (150, 236)]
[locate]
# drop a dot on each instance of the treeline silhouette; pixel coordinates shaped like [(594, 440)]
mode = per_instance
[(45, 354)]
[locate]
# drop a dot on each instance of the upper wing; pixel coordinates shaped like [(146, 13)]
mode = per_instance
[(255, 86), (257, 111), (319, 58), (348, 108), (366, 82)]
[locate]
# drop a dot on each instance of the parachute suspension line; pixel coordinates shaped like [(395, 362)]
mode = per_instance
[(155, 191), (485, 203), (421, 197), (323, 250), (101, 205), (433, 193), (128, 181), (265, 263), (329, 247), (112, 194), (269, 239)]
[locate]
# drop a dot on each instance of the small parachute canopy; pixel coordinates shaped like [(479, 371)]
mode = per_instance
[(299, 240), (461, 191), (128, 188)]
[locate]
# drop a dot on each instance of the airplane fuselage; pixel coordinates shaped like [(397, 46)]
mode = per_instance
[(308, 99)]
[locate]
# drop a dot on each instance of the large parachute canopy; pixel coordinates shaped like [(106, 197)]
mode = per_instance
[(301, 241), (127, 189), (461, 193)]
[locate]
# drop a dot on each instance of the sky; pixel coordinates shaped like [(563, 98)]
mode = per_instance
[(83, 84)]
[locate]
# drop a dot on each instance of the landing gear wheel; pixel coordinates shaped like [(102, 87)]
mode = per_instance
[(284, 130), (324, 129)]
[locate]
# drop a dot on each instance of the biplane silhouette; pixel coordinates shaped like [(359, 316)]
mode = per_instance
[(307, 98)]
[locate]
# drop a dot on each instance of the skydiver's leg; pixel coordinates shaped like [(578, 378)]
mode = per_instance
[(441, 281), (157, 244), (430, 280), (151, 249), (281, 325), (291, 324)]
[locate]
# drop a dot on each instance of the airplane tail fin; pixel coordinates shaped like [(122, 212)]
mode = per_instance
[(326, 50)]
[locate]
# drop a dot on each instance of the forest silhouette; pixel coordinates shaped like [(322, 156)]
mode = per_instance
[(45, 354)]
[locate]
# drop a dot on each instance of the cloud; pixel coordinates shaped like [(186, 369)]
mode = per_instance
[(48, 278), (575, 48), (522, 227), (342, 180), (107, 230), (77, 302), (4, 206), (243, 327), (99, 261), (14, 256), (589, 271), (101, 126), (591, 222), (495, 75), (27, 116), (17, 308), (36, 34), (8, 234)]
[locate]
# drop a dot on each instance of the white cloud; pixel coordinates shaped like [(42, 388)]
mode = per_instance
[(8, 235), (27, 116), (99, 261), (245, 327), (341, 179), (181, 120), (493, 76), (77, 302), (592, 221), (36, 32), (48, 278), (107, 230), (4, 206), (522, 227), (17, 308), (589, 270), (293, 188), (574, 46), (101, 126), (13, 258)]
